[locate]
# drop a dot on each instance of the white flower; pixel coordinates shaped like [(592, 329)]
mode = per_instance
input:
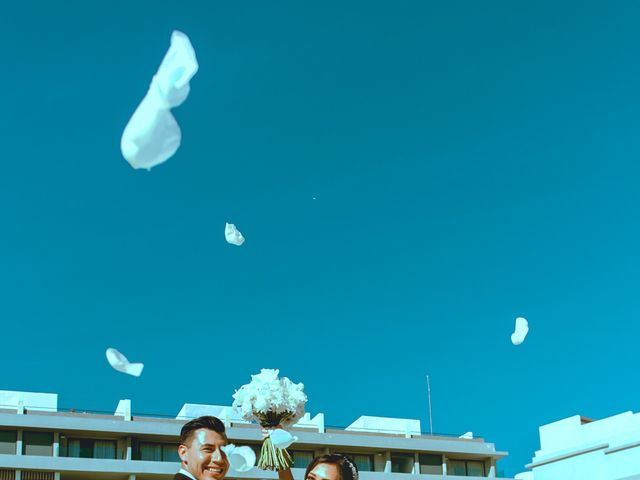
[(265, 376), (261, 405), (268, 393)]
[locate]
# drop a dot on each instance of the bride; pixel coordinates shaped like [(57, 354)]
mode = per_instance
[(326, 467)]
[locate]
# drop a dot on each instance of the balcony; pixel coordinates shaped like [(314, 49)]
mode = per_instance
[(72, 468)]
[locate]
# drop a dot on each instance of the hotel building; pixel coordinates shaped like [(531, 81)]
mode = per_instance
[(40, 441)]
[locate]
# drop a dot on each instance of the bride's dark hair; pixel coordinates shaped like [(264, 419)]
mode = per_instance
[(346, 467)]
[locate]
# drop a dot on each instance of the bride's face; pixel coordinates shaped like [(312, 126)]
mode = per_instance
[(324, 471)]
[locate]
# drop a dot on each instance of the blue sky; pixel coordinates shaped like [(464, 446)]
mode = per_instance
[(471, 162)]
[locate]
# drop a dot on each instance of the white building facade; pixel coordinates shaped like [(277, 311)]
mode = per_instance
[(38, 441), (577, 448)]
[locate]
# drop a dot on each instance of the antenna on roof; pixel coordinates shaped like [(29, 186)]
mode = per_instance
[(429, 397)]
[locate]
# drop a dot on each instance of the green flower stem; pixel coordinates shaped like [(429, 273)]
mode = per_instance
[(272, 458)]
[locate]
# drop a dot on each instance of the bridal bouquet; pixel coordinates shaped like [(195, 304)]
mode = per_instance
[(272, 402)]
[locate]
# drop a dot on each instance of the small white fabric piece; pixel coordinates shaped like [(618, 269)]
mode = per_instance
[(468, 435), (227, 449), (281, 438), (233, 235), (152, 135), (241, 459), (120, 363), (520, 332)]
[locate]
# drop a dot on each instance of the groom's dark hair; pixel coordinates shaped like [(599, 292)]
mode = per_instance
[(208, 422)]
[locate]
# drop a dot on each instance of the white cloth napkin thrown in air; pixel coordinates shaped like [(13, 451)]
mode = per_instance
[(120, 363), (152, 135)]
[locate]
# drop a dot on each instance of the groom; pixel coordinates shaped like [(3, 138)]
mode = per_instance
[(201, 457)]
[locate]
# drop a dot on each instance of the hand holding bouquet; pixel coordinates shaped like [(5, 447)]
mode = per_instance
[(273, 402)]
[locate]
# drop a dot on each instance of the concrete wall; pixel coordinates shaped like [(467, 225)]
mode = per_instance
[(572, 448), (386, 425), (47, 402)]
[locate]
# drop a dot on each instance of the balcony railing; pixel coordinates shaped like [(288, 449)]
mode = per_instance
[(41, 467)]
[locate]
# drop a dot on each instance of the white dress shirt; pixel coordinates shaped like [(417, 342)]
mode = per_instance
[(187, 474)]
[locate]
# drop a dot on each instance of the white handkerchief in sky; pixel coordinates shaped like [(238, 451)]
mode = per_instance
[(281, 438), (119, 362), (152, 135), (519, 334), (233, 235)]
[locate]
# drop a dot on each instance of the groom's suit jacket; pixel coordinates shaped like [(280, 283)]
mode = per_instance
[(179, 476)]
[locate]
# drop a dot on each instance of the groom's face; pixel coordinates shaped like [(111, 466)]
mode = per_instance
[(204, 457)]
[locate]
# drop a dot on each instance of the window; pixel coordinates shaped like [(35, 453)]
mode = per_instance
[(457, 467), (170, 453), (37, 475), (37, 443), (151, 452), (362, 461), (90, 448), (430, 463), (475, 468), (8, 474), (301, 458), (468, 468), (8, 441), (402, 462), (104, 449), (158, 452), (79, 448)]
